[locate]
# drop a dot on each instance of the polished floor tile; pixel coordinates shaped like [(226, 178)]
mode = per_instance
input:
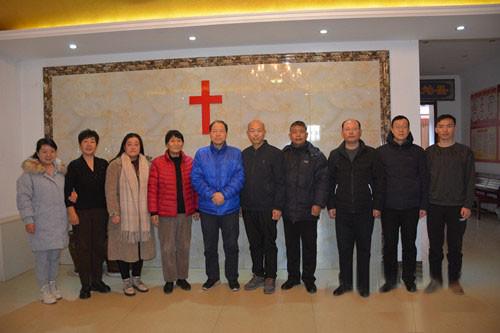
[(221, 310)]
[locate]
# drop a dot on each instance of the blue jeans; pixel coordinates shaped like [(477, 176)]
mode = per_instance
[(230, 227)]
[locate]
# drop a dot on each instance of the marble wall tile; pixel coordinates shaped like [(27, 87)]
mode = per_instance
[(151, 97)]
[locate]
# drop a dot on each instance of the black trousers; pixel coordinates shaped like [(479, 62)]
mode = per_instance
[(440, 218), (125, 268), (354, 229), (394, 220), (230, 227), (261, 232), (295, 233), (90, 237)]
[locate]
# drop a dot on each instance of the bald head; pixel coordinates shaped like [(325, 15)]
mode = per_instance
[(351, 132), (256, 123), (256, 132), (351, 122)]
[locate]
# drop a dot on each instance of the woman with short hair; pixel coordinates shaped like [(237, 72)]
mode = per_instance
[(172, 204)]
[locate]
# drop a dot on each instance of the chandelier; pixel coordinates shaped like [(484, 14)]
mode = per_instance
[(276, 73)]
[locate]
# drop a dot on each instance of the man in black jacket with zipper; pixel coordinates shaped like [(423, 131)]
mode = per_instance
[(262, 200), (404, 203), (306, 187), (356, 187)]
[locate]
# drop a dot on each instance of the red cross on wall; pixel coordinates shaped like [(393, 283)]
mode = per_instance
[(205, 100)]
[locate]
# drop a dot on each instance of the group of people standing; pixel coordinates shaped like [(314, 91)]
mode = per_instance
[(119, 203)]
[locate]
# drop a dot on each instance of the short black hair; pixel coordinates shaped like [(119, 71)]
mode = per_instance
[(298, 123), (359, 124), (217, 121), (399, 117), (173, 133), (88, 133), (446, 116), (43, 142)]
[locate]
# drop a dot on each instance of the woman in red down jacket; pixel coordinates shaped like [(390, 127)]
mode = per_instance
[(172, 203)]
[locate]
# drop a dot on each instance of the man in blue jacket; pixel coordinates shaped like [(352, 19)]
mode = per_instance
[(218, 178)]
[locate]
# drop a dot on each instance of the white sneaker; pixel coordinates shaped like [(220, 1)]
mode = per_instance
[(54, 291), (128, 288), (46, 296), (139, 285)]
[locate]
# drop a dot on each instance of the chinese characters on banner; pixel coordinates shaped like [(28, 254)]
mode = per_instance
[(485, 125), (437, 90)]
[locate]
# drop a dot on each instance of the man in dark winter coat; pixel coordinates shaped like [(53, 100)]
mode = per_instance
[(404, 203), (451, 193), (356, 187), (306, 184), (262, 200)]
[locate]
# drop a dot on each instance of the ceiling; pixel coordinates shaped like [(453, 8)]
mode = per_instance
[(31, 14), (448, 57), (445, 44)]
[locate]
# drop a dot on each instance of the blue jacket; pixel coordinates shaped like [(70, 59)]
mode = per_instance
[(218, 170)]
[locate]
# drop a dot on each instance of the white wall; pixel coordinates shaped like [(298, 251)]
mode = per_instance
[(404, 81), (10, 159), (10, 136), (477, 78)]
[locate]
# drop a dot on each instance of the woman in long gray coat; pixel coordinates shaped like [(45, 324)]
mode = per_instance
[(40, 201), (130, 235)]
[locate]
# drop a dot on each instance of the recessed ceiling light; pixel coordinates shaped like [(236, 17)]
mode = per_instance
[(72, 46), (323, 31), (192, 38), (460, 27)]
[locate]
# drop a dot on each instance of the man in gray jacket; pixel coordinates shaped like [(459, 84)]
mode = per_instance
[(451, 193)]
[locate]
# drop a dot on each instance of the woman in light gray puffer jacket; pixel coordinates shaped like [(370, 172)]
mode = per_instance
[(40, 201)]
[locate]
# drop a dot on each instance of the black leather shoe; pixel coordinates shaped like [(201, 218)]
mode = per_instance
[(289, 284), (100, 286), (411, 286), (364, 293), (234, 285), (342, 289), (85, 293), (183, 284), (386, 287), (210, 283), (168, 287), (311, 287)]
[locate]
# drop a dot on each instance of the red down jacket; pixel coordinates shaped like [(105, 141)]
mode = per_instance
[(162, 186)]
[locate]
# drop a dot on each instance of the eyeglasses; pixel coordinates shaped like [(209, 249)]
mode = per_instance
[(445, 126)]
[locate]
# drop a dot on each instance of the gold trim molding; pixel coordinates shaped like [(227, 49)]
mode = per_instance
[(16, 15)]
